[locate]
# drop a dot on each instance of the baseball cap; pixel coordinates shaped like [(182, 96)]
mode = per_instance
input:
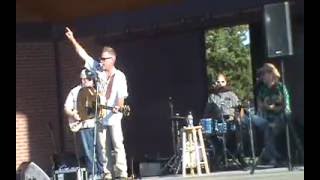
[(85, 73)]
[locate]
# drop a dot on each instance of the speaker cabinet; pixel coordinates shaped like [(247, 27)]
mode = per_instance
[(30, 171), (278, 29), (72, 173)]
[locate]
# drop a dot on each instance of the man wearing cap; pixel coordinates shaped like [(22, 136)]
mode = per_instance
[(87, 126), (112, 90)]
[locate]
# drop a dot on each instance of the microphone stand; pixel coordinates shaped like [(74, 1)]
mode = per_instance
[(253, 155), (286, 121), (95, 131), (172, 125)]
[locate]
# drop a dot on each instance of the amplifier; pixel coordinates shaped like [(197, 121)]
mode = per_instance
[(150, 169), (72, 173)]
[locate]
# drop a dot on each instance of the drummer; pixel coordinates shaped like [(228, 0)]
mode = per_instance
[(221, 101), (221, 105)]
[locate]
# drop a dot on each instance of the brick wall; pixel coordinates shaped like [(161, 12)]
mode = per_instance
[(36, 102), (36, 97)]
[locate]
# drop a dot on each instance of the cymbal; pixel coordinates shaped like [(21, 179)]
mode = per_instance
[(178, 117)]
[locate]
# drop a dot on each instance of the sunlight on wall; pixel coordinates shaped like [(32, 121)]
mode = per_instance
[(22, 139)]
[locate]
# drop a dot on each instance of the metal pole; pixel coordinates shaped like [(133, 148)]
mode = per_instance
[(286, 120), (95, 134), (172, 125), (251, 141)]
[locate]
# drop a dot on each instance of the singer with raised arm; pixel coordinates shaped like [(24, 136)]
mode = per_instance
[(112, 91)]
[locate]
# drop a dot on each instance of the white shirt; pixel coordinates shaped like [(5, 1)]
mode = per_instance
[(118, 91), (71, 105), (71, 101)]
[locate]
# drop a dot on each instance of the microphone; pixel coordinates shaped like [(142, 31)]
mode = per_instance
[(170, 101), (171, 106)]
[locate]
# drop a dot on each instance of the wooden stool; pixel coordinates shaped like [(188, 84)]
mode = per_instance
[(191, 150)]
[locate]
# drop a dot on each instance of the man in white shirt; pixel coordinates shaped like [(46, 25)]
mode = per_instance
[(85, 127), (112, 89)]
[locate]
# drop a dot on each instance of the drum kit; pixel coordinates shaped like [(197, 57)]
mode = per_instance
[(215, 133), (219, 133), (216, 127)]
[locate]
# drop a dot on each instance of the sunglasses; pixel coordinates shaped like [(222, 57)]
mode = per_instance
[(105, 58), (220, 81)]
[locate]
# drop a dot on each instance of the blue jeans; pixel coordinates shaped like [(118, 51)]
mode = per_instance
[(87, 136), (256, 121), (270, 130)]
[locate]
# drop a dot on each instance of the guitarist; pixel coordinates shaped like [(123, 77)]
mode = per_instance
[(274, 106), (86, 129), (112, 90)]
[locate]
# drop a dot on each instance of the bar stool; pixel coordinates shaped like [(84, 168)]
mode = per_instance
[(193, 150)]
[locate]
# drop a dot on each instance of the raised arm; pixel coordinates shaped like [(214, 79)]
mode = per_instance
[(79, 49)]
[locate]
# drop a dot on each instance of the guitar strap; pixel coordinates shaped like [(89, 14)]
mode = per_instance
[(109, 87)]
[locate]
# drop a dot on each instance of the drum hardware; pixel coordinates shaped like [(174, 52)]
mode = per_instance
[(226, 151), (253, 156), (222, 137), (219, 129), (174, 163)]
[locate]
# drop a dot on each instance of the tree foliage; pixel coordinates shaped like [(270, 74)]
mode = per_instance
[(227, 53)]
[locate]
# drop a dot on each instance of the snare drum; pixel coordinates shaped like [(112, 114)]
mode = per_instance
[(219, 127), (206, 126)]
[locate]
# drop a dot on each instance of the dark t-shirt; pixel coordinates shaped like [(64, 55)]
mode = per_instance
[(277, 95)]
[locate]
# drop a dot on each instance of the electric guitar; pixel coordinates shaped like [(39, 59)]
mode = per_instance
[(89, 120)]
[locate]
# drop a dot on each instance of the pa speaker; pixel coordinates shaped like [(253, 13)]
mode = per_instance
[(29, 170), (278, 29)]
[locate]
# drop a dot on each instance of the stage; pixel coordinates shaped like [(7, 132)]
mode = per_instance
[(265, 174)]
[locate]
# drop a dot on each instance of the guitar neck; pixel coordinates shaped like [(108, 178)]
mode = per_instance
[(106, 107), (125, 110)]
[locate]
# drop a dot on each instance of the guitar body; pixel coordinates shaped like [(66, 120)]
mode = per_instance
[(76, 125), (86, 104)]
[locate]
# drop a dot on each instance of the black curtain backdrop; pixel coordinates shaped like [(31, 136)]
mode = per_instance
[(157, 68)]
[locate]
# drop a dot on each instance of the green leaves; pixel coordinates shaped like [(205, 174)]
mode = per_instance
[(228, 54)]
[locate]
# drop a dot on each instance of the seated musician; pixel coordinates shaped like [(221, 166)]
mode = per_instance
[(222, 103), (273, 106), (76, 124)]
